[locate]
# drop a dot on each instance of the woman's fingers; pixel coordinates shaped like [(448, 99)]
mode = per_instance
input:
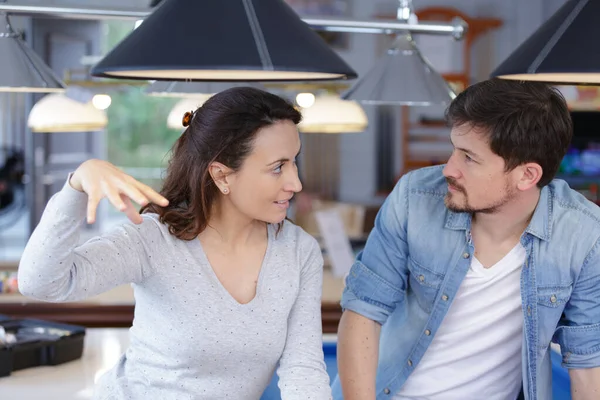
[(93, 200), (132, 192), (131, 211), (113, 195), (120, 189), (151, 194)]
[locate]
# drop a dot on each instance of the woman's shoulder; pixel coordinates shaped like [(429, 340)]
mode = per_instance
[(150, 229)]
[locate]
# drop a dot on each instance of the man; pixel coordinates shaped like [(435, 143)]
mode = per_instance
[(473, 268)]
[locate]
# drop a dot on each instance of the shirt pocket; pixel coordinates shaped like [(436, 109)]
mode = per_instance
[(551, 301), (424, 283)]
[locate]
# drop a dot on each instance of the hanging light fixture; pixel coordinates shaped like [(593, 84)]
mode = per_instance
[(22, 69), (561, 51), (330, 114), (403, 76), (175, 118), (192, 89), (57, 113), (215, 40)]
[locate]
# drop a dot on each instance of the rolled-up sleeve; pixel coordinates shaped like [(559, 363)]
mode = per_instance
[(377, 281), (578, 333)]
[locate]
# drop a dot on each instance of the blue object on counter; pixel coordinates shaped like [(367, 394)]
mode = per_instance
[(561, 386), (561, 383)]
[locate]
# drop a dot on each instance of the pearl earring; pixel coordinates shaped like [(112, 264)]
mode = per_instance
[(225, 190)]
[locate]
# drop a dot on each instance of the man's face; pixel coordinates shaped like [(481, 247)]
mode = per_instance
[(477, 181)]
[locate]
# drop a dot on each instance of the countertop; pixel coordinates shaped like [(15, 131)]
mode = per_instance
[(74, 380)]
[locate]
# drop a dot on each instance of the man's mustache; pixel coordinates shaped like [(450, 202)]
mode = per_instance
[(452, 182)]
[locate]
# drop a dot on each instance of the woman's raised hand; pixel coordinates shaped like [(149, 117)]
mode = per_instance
[(99, 179)]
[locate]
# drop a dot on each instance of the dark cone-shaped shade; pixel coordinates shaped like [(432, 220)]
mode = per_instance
[(562, 51), (223, 40)]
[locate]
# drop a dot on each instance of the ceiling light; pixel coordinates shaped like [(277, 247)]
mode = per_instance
[(563, 50), (330, 114), (214, 40), (402, 77), (22, 69), (305, 100), (58, 113)]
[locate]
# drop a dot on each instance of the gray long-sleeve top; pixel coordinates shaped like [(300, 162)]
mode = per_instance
[(190, 338)]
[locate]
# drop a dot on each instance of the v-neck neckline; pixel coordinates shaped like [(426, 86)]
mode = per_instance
[(205, 261)]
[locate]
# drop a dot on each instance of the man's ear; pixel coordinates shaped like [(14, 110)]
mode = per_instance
[(531, 174), (219, 173)]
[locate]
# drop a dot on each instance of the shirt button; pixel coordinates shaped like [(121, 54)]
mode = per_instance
[(421, 278), (427, 332), (386, 391), (553, 299), (466, 255), (445, 298), (409, 363)]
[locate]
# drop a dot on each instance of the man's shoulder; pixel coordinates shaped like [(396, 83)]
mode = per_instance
[(428, 180), (572, 213), (566, 199)]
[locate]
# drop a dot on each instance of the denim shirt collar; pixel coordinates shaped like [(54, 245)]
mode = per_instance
[(539, 226)]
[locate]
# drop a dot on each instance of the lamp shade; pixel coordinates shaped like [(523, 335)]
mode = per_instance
[(191, 89), (22, 69), (215, 40), (58, 113), (330, 114), (175, 118), (562, 50), (402, 77)]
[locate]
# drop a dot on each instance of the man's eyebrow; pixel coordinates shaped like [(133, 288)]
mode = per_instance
[(469, 152)]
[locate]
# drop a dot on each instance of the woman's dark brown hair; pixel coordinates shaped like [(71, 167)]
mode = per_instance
[(222, 130)]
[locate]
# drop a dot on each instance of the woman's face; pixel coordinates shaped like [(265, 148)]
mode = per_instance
[(268, 178)]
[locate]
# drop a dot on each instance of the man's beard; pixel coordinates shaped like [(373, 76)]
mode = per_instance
[(466, 207)]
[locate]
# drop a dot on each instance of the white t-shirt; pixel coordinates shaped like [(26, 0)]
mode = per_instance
[(476, 353)]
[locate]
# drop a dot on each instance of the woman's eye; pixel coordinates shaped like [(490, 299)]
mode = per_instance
[(468, 158), (278, 169)]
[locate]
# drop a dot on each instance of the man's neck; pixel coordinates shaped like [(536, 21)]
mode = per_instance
[(510, 221)]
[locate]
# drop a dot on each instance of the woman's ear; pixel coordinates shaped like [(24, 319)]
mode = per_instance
[(219, 173)]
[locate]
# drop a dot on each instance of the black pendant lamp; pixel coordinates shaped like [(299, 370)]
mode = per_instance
[(562, 51), (223, 40)]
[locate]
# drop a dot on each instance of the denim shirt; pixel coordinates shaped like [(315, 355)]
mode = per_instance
[(418, 253)]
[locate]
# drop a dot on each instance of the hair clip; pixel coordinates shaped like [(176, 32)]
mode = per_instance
[(187, 118)]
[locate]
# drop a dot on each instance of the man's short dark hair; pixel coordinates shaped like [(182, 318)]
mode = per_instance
[(525, 121)]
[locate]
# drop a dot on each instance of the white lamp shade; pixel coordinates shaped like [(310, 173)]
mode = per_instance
[(175, 118), (58, 113), (330, 114)]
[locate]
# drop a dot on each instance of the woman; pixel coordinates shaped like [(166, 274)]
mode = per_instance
[(225, 288)]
